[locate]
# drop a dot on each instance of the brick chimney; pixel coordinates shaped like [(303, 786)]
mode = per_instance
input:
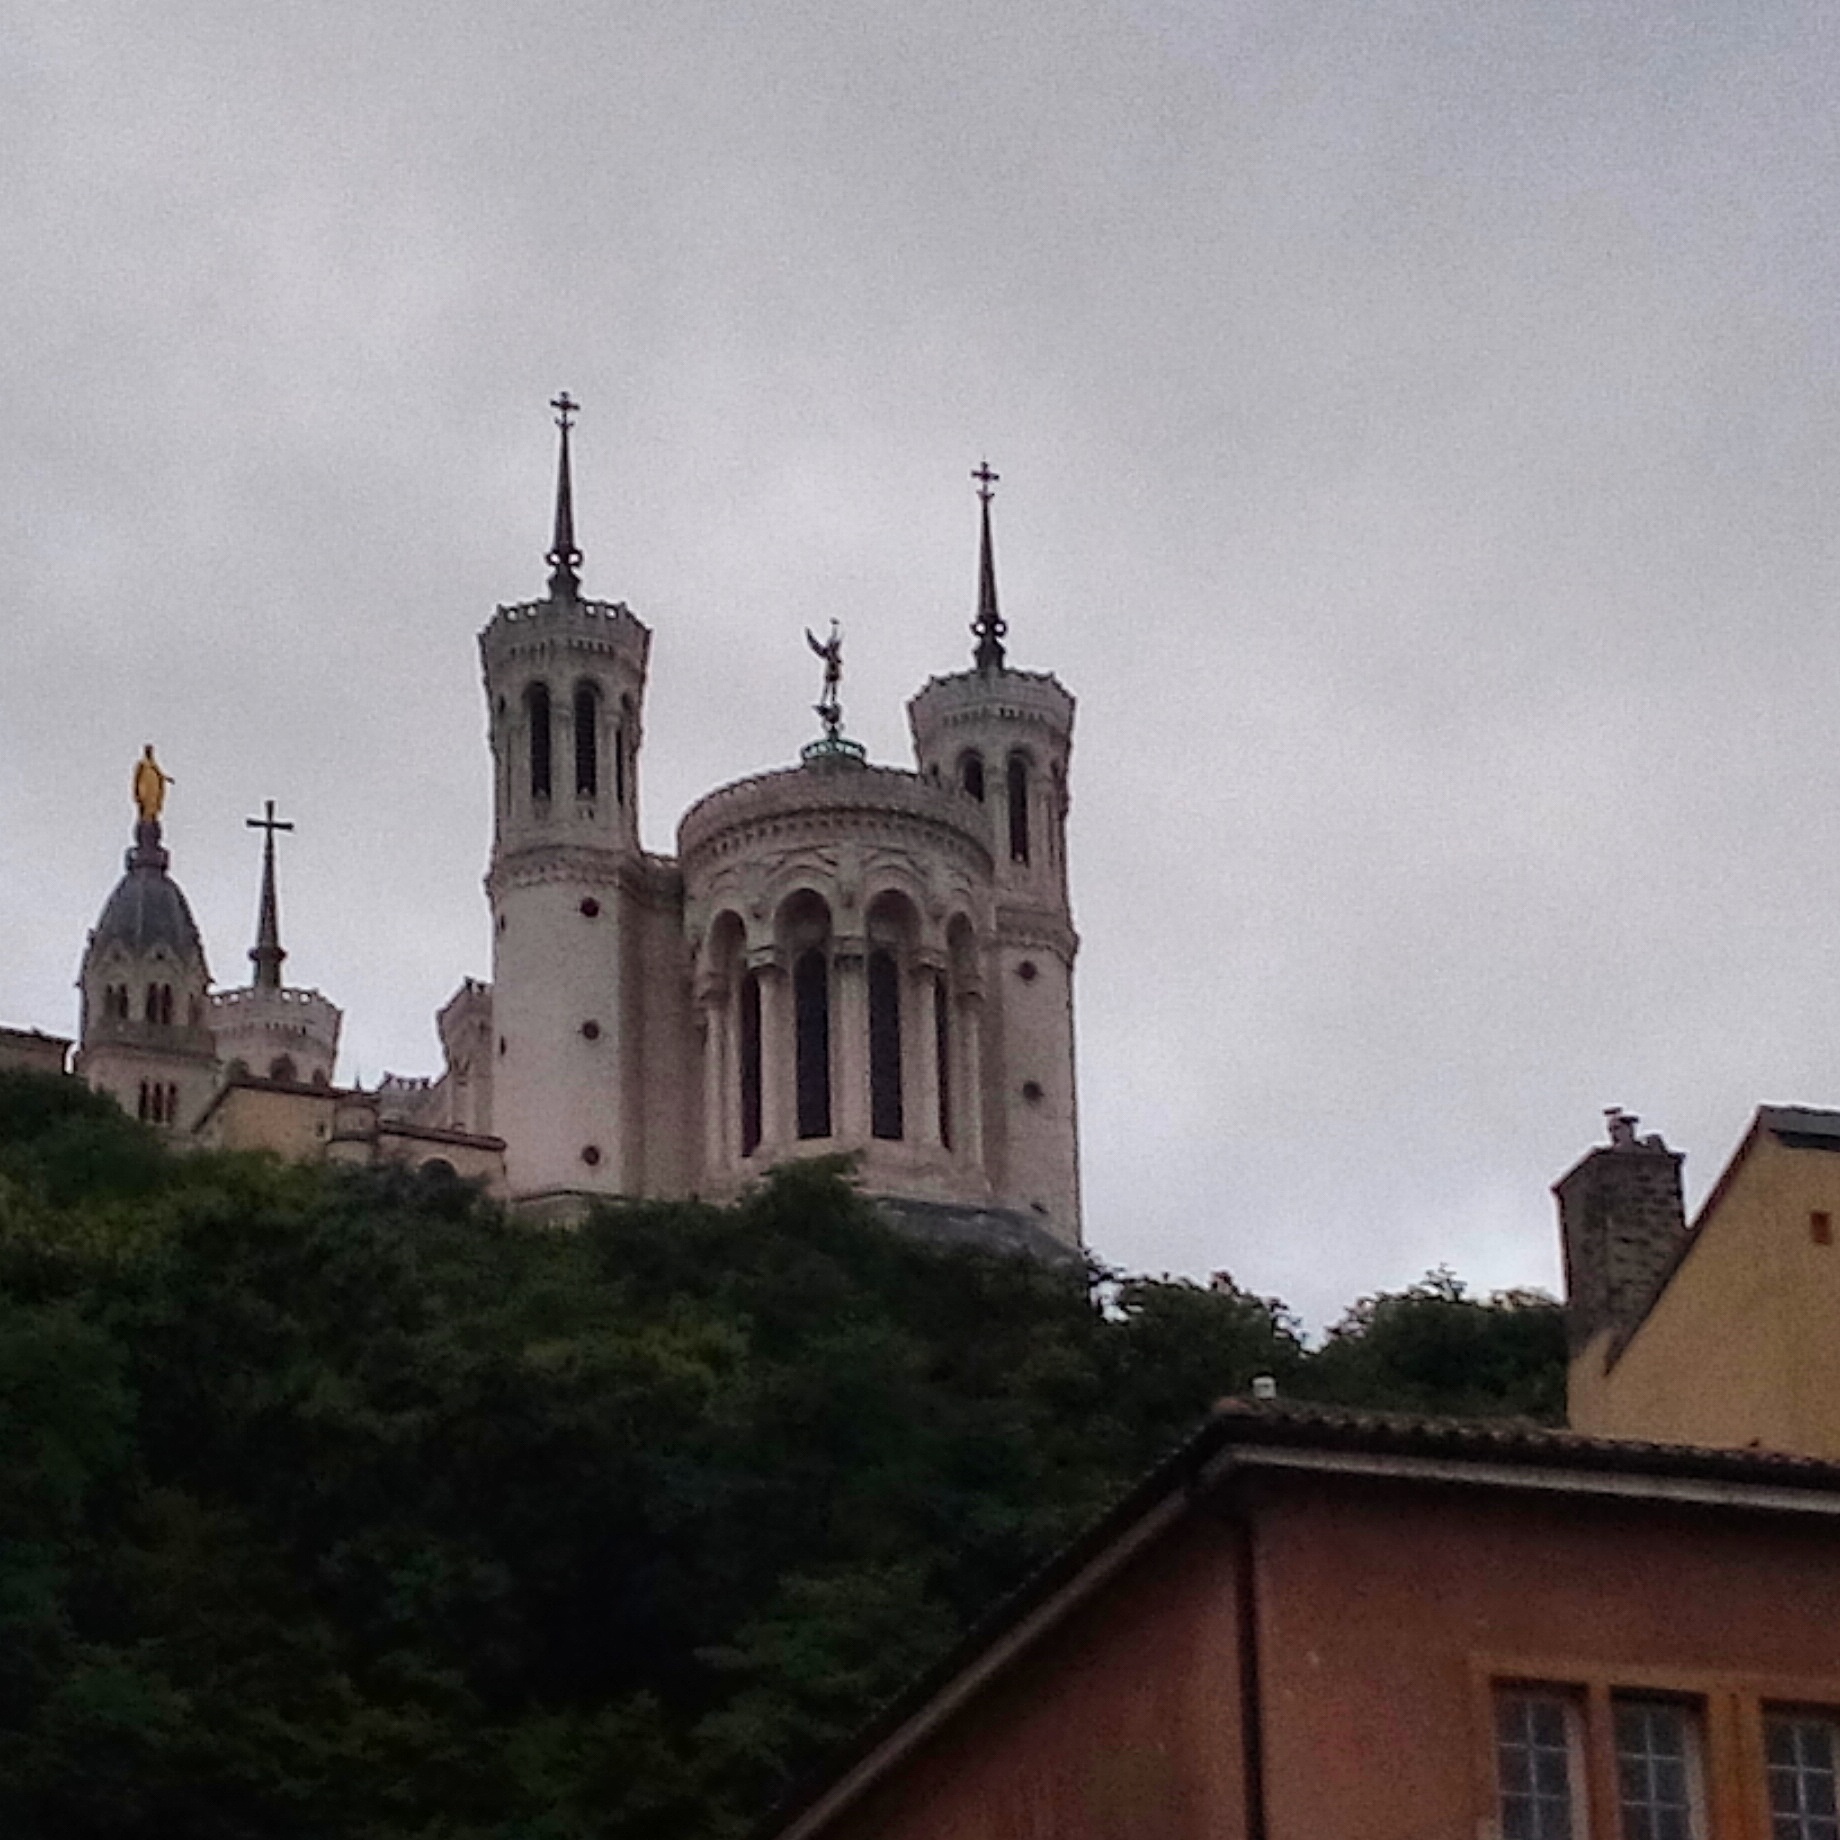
[(1622, 1220)]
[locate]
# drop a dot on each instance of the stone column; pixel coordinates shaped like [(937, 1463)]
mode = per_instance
[(849, 1042), (919, 1036), (970, 1057), (713, 1001), (777, 1062)]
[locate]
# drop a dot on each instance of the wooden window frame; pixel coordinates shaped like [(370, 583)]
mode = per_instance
[(1731, 1706)]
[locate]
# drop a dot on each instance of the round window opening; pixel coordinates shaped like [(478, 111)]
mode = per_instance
[(1027, 971), (591, 1155), (1031, 1091), (592, 1030), (591, 907)]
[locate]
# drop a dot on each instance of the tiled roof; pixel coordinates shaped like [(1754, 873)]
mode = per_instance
[(1490, 1444)]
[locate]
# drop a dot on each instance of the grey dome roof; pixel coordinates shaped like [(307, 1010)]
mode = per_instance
[(148, 908)]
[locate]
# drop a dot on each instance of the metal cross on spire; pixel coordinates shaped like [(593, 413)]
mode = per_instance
[(564, 558), (267, 954), (989, 626)]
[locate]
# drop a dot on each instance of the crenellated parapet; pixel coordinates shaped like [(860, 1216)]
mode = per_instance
[(277, 1033), (965, 699)]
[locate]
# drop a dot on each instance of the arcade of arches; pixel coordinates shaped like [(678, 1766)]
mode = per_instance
[(819, 1039)]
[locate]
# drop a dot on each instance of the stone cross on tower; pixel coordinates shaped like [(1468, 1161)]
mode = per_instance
[(988, 627), (267, 954), (564, 558)]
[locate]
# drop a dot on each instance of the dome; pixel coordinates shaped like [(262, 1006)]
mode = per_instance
[(148, 909)]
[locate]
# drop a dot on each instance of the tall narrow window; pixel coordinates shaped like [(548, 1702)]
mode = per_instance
[(971, 773), (1800, 1751), (1018, 809), (885, 1118), (145, 1105), (1658, 1770), (750, 1063), (536, 704), (942, 1055), (587, 741), (166, 1003), (811, 998), (1536, 1773), (619, 766)]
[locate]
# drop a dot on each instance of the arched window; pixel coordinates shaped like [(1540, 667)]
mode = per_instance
[(1018, 809), (971, 775), (942, 1055), (172, 1105), (282, 1068), (166, 1003), (587, 741), (619, 766), (749, 1045), (142, 1110), (153, 1003), (885, 1118), (536, 706), (811, 999)]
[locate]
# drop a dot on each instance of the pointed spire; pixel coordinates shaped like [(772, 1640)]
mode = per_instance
[(564, 558), (989, 625), (267, 953)]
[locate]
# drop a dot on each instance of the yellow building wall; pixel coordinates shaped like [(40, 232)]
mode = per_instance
[(292, 1124), (1743, 1344)]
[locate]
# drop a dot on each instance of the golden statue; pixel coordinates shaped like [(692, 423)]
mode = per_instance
[(150, 783)]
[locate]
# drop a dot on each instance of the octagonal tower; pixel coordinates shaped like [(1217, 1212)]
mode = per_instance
[(568, 885), (1005, 738)]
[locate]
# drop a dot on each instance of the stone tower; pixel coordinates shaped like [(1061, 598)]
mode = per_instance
[(145, 1034), (1004, 737), (565, 688), (267, 1028)]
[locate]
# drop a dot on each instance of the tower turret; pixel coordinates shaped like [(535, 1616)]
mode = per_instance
[(565, 690), (145, 1036), (1004, 738), (267, 1029)]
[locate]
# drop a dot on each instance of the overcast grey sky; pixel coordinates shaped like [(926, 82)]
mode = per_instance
[(1417, 428)]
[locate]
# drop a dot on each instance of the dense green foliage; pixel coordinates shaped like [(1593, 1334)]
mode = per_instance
[(332, 1503)]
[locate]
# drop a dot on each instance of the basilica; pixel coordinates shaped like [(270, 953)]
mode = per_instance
[(840, 957)]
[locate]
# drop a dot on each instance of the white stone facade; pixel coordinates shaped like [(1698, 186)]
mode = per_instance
[(872, 961), (276, 1034), (840, 958)]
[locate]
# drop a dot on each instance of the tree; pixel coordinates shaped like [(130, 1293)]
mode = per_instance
[(1434, 1348), (336, 1502)]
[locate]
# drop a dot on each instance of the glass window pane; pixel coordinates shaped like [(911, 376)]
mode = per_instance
[(1535, 1768), (1657, 1773), (1802, 1756)]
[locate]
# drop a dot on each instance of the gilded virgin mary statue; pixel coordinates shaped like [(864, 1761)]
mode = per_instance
[(150, 783)]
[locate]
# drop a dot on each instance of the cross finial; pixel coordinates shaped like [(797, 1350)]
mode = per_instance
[(564, 558), (269, 822), (989, 626), (266, 954)]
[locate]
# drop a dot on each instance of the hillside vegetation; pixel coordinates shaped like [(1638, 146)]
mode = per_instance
[(334, 1504)]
